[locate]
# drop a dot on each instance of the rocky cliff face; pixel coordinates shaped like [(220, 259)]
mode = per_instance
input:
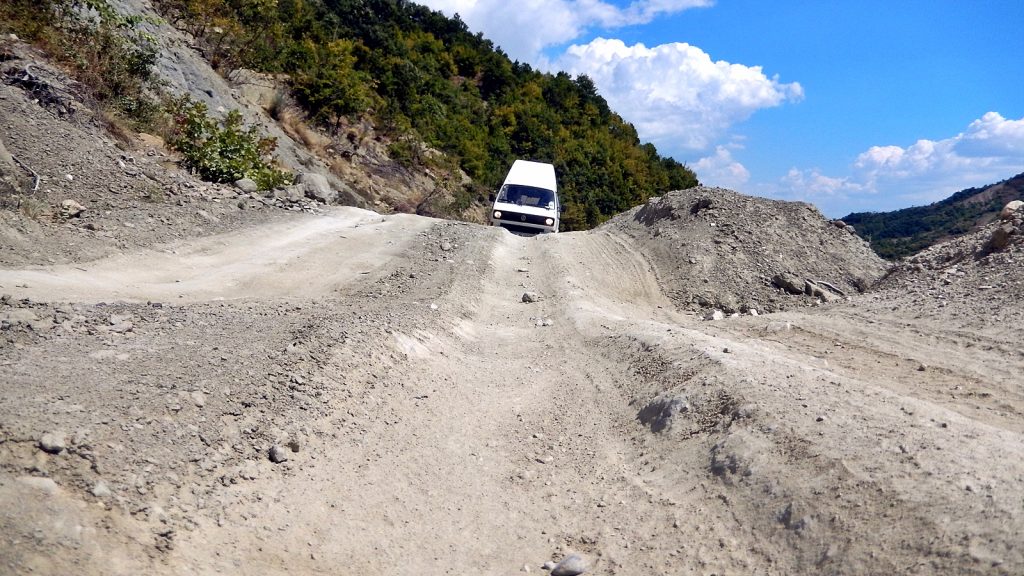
[(354, 161)]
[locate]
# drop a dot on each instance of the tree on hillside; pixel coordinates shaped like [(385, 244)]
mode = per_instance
[(425, 76)]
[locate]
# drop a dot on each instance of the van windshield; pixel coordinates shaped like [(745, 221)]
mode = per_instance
[(527, 196)]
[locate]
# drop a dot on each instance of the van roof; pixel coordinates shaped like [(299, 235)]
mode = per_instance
[(529, 173)]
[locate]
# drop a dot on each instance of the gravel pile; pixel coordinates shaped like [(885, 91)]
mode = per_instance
[(715, 249), (978, 276)]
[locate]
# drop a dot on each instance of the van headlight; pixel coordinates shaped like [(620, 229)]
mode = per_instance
[(497, 214), (550, 221)]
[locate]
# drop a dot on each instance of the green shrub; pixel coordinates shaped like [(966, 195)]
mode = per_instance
[(225, 150)]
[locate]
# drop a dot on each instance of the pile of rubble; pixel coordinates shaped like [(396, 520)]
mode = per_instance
[(716, 249)]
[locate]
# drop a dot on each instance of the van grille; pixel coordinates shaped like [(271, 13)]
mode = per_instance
[(514, 217)]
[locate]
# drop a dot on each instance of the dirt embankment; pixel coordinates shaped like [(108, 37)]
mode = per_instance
[(426, 419)]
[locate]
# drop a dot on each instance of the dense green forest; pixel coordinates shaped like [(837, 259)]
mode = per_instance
[(422, 76), (904, 232)]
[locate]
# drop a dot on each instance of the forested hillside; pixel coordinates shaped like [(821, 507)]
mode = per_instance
[(903, 232), (421, 76)]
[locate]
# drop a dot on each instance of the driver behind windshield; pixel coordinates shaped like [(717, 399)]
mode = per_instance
[(528, 196)]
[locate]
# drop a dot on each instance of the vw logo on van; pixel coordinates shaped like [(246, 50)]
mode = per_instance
[(523, 217)]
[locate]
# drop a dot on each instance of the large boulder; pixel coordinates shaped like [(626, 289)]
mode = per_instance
[(1012, 209), (789, 283), (294, 193), (317, 187), (1001, 237), (247, 185)]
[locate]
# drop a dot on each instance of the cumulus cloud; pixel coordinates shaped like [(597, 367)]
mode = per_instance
[(992, 135), (523, 29), (813, 185), (990, 149), (720, 169), (675, 94)]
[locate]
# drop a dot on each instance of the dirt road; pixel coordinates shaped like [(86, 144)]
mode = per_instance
[(435, 423)]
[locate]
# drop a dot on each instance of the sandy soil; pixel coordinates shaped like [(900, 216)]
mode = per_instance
[(435, 423)]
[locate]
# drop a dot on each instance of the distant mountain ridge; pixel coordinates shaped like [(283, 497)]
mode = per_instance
[(900, 233)]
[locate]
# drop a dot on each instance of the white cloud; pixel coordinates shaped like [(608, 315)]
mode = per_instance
[(990, 149), (992, 135), (675, 94), (889, 177), (720, 169), (811, 185), (523, 29)]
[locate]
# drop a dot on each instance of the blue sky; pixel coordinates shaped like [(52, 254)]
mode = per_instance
[(853, 106)]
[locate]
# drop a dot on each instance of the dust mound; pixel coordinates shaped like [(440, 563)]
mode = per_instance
[(716, 248), (976, 275)]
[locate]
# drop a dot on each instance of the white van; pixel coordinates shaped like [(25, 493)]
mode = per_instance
[(528, 199)]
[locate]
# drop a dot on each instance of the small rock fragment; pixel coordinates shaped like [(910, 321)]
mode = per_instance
[(101, 490), (44, 485), (714, 315), (53, 442), (530, 297), (278, 454), (778, 327), (571, 565), (71, 209), (207, 216)]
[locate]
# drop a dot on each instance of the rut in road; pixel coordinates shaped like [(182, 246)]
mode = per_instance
[(446, 426), (493, 441)]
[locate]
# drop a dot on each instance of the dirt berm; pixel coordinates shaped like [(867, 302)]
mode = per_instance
[(716, 249)]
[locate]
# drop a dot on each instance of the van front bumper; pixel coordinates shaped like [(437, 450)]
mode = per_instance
[(520, 227), (520, 222)]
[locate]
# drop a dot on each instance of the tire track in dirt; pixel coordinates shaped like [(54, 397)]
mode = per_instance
[(298, 258), (457, 428), (469, 441)]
